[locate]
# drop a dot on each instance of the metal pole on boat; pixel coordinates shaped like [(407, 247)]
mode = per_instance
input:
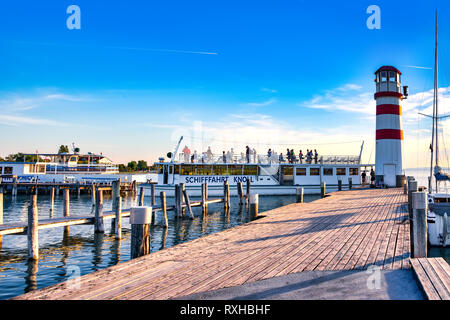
[(419, 234)]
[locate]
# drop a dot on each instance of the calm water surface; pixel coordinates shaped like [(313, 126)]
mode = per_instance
[(83, 252)]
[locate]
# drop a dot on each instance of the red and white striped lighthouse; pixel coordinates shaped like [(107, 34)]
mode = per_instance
[(389, 133)]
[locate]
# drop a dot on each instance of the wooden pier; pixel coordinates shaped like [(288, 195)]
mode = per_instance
[(349, 230)]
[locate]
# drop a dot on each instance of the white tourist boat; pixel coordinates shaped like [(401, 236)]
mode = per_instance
[(65, 167), (267, 175), (438, 197)]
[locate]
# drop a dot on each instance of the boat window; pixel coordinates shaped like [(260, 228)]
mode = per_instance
[(235, 170), (300, 171), (219, 170), (392, 76), (250, 170), (8, 170), (159, 168), (204, 170), (73, 159), (327, 171), (187, 170), (176, 169), (341, 171), (1, 170), (383, 76), (354, 171), (314, 172)]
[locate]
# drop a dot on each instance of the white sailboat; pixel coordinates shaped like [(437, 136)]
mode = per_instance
[(438, 198)]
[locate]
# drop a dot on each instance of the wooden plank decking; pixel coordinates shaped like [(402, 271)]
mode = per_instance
[(344, 231), (434, 277)]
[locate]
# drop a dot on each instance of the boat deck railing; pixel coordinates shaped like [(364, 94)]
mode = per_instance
[(265, 159)]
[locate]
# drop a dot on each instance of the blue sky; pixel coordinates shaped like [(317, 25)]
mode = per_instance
[(140, 73)]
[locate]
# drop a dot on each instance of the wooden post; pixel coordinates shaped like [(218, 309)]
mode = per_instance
[(182, 199), (248, 190), (323, 189), (240, 190), (299, 195), (118, 219), (253, 201), (203, 200), (66, 208), (153, 194), (177, 201), (98, 224), (115, 193), (419, 235), (405, 188), (93, 193), (226, 195), (32, 231), (188, 203), (164, 208), (14, 190), (141, 196), (350, 183), (140, 220), (412, 187), (52, 201), (340, 185)]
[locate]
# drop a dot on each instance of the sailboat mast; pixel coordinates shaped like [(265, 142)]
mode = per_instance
[(434, 150), (436, 98)]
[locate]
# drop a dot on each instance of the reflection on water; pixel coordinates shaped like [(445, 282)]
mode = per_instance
[(82, 249)]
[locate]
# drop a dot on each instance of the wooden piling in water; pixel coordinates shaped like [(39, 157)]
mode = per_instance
[(115, 193), (188, 203), (248, 190), (118, 219), (204, 197), (340, 185), (52, 201), (140, 219), (253, 205), (240, 191), (164, 208), (141, 196), (66, 208), (299, 195), (419, 234), (32, 230), (182, 199), (323, 189), (226, 195), (98, 223), (177, 201), (153, 194), (350, 183)]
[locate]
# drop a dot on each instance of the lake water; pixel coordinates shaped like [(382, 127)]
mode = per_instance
[(83, 252)]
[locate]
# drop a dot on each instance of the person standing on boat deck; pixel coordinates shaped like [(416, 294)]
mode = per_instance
[(280, 158), (372, 178), (187, 154), (224, 157), (363, 178), (292, 156), (232, 155), (229, 156), (269, 155), (247, 154), (316, 155), (300, 156), (209, 154), (254, 155), (288, 155)]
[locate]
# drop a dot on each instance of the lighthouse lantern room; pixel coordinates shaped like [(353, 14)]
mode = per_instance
[(389, 133)]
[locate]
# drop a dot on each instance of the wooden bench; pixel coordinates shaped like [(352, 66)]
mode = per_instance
[(433, 275)]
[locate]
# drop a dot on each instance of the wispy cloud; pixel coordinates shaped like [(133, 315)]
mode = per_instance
[(419, 67), (269, 90), (11, 120), (261, 104)]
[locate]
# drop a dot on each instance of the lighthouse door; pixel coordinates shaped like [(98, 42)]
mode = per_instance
[(389, 175)]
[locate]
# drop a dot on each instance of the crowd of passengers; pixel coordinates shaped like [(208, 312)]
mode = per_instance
[(250, 156)]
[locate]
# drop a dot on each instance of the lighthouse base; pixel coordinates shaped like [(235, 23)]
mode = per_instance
[(399, 181)]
